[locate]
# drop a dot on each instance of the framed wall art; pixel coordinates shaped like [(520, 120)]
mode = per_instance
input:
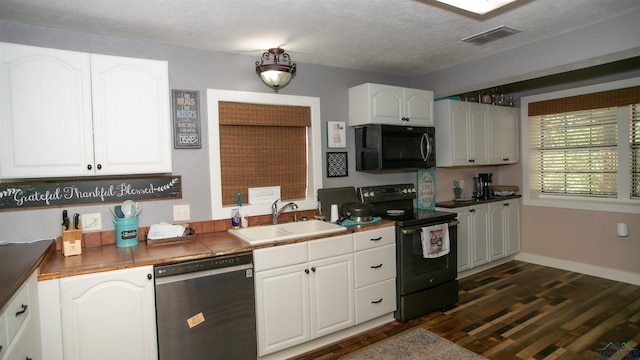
[(337, 164), (336, 134), (185, 106)]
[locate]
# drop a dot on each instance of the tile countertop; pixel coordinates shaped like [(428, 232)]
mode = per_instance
[(456, 204), (107, 258), (17, 262)]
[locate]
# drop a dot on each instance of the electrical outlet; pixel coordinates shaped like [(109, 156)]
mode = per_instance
[(91, 222), (461, 182), (181, 212)]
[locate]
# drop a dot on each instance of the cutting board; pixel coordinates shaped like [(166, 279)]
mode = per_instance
[(338, 196)]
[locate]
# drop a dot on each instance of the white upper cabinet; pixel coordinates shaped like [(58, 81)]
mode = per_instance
[(45, 112), (72, 114), (503, 135), (131, 115), (392, 105), (475, 134)]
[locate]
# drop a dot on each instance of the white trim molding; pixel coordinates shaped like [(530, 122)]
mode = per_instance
[(582, 268)]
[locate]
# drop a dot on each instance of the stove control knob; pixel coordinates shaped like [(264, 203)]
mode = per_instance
[(413, 190), (365, 194), (404, 191)]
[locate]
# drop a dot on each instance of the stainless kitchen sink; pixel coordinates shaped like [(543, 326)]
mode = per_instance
[(287, 231)]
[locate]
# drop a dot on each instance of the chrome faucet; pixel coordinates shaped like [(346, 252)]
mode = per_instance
[(276, 213)]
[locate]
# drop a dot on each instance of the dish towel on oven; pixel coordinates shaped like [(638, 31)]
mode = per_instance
[(435, 241)]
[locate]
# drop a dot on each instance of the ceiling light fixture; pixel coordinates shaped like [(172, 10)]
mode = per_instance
[(274, 73), (480, 7)]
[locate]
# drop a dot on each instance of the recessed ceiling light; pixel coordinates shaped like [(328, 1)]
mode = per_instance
[(477, 6)]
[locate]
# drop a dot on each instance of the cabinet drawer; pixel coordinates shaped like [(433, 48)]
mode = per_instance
[(375, 300), (18, 310), (373, 238), (332, 246), (375, 265), (280, 256), (24, 346)]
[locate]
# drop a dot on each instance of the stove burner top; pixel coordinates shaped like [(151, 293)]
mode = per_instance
[(396, 202)]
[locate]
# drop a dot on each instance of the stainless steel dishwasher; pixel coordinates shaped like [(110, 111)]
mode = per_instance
[(206, 309)]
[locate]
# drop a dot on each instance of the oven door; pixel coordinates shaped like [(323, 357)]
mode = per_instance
[(416, 273)]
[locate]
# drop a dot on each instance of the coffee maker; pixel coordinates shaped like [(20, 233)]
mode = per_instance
[(482, 185)]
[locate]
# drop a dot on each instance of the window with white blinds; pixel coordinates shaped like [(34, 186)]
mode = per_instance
[(635, 150), (581, 147), (575, 153)]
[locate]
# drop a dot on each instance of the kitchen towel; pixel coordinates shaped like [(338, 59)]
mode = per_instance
[(435, 241)]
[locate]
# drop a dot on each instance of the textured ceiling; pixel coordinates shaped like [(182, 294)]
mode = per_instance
[(400, 37)]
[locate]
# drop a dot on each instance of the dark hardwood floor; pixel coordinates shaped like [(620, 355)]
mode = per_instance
[(524, 311)]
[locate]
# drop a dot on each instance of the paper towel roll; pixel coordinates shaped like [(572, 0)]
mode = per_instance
[(334, 212)]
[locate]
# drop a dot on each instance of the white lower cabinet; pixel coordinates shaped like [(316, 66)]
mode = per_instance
[(20, 324), (487, 232), (109, 315), (473, 236), (303, 291)]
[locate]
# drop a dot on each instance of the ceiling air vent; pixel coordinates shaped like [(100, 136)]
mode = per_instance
[(491, 35)]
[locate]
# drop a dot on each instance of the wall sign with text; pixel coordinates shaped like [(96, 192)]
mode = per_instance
[(185, 106), (22, 196)]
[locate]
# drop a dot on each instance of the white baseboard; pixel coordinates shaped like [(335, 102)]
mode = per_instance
[(582, 268)]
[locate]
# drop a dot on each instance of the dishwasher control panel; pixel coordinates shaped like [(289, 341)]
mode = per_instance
[(212, 263)]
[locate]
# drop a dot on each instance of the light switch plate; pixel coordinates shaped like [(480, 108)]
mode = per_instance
[(181, 212), (91, 222)]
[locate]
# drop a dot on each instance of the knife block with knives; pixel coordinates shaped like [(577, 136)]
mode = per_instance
[(71, 235)]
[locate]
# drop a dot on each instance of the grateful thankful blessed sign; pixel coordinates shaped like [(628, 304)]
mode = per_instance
[(54, 194)]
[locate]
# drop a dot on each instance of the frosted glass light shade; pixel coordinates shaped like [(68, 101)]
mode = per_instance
[(275, 78)]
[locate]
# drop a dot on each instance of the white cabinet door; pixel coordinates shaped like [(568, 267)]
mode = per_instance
[(512, 226), (460, 135), (480, 235), (503, 135), (332, 295), (418, 107), (109, 315), (498, 235), (387, 104), (131, 115), (477, 136), (282, 308), (45, 112)]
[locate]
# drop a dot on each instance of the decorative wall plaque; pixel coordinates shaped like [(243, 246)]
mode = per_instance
[(21, 196), (185, 106)]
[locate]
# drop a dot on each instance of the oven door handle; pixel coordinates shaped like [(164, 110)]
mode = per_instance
[(415, 230)]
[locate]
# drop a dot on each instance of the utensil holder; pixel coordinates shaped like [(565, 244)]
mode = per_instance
[(126, 231)]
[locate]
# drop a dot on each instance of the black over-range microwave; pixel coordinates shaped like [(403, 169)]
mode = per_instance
[(394, 148)]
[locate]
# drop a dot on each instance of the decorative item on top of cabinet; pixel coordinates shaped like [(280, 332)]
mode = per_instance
[(78, 114), (472, 134), (391, 105)]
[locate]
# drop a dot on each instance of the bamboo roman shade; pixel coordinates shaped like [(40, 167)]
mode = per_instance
[(619, 97), (263, 145)]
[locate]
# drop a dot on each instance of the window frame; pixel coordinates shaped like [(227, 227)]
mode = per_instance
[(314, 148), (622, 203)]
